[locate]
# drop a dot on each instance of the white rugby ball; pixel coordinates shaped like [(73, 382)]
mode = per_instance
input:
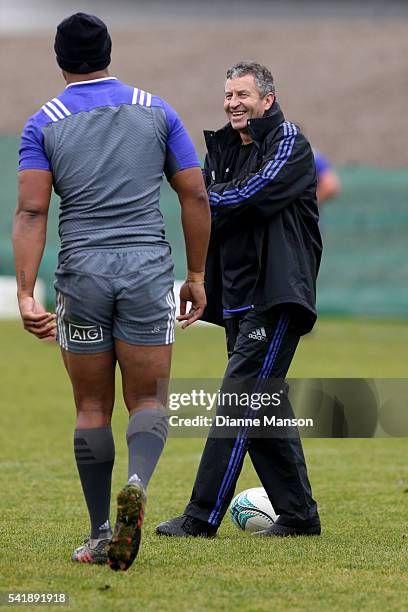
[(252, 511)]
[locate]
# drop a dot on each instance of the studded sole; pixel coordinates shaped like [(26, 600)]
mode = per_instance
[(126, 538)]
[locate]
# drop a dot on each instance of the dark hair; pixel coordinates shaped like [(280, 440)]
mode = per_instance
[(262, 76)]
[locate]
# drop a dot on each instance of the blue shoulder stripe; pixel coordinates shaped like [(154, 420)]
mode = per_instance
[(257, 182)]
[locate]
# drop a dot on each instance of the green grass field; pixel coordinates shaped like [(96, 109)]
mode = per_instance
[(359, 563)]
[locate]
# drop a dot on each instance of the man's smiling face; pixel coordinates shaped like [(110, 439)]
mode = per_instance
[(242, 101)]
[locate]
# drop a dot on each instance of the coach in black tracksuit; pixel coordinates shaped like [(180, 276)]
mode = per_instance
[(261, 273)]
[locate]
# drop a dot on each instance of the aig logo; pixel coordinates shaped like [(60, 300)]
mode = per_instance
[(85, 333)]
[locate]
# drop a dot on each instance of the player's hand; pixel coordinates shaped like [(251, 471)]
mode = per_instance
[(194, 293), (36, 319)]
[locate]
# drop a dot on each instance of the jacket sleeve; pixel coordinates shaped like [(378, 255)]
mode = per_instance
[(286, 171), (206, 173)]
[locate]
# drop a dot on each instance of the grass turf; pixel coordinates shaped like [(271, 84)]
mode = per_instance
[(358, 563)]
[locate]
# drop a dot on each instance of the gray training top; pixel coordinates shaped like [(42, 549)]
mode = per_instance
[(107, 145)]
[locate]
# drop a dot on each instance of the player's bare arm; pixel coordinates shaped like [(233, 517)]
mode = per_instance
[(328, 186), (196, 220), (29, 234)]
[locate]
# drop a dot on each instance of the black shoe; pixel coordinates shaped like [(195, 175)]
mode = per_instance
[(127, 534), (186, 526), (282, 530)]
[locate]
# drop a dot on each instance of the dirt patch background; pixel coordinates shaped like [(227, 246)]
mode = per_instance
[(345, 82)]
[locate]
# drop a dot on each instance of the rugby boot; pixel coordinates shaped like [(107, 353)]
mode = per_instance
[(127, 533), (92, 551)]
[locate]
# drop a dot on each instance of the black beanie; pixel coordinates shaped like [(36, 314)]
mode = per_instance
[(82, 44)]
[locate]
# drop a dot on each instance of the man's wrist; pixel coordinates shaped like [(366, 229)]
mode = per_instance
[(195, 277), (24, 294)]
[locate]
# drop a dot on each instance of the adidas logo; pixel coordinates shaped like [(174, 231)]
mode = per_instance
[(134, 478), (105, 526), (258, 334)]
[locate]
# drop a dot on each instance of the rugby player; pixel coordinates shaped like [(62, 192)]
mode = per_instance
[(104, 146), (328, 181)]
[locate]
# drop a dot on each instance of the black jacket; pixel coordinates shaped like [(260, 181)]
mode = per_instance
[(277, 202)]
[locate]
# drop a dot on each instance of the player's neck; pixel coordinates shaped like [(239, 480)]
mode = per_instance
[(70, 77)]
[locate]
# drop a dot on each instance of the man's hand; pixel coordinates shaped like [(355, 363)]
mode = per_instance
[(195, 293), (36, 319)]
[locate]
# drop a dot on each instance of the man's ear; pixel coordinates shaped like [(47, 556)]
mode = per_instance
[(269, 100)]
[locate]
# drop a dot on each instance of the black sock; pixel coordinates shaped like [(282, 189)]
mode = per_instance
[(146, 435), (95, 455)]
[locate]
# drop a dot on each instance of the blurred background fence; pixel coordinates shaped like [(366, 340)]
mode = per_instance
[(365, 232)]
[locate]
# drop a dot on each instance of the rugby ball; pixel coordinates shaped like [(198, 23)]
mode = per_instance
[(252, 511)]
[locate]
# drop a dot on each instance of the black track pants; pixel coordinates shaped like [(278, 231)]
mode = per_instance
[(259, 345)]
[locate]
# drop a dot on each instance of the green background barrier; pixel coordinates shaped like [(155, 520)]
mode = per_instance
[(365, 234)]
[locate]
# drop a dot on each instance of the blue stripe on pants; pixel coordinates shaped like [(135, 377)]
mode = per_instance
[(239, 446)]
